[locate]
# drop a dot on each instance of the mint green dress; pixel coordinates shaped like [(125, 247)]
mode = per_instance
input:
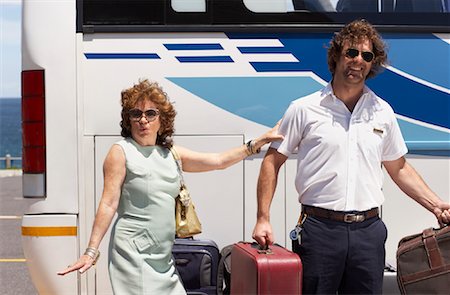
[(140, 249)]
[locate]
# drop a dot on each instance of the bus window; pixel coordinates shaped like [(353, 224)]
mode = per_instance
[(139, 15), (421, 6), (214, 15), (104, 12), (289, 5), (266, 5), (415, 6), (314, 5), (358, 5), (189, 5), (376, 6)]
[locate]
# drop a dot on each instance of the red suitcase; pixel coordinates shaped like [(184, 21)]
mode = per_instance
[(272, 271)]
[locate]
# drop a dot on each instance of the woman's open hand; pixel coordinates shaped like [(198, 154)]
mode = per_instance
[(83, 264)]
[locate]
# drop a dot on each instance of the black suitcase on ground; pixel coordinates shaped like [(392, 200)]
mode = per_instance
[(197, 262)]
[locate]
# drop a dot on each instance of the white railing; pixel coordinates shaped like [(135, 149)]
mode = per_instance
[(9, 160)]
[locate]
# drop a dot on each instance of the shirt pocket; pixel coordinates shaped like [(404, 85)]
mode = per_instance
[(378, 131), (371, 137)]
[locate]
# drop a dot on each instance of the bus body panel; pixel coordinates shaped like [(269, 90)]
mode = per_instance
[(52, 48), (48, 242), (194, 87), (121, 71), (227, 87)]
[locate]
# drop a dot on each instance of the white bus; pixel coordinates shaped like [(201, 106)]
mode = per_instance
[(231, 67)]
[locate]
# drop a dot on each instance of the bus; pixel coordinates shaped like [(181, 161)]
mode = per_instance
[(231, 68)]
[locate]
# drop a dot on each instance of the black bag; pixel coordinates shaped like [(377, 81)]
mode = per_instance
[(224, 271), (197, 262)]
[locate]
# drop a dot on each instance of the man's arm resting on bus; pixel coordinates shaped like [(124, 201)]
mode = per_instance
[(412, 184), (267, 183)]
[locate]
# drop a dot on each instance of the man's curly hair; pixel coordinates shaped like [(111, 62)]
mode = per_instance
[(353, 33), (151, 91)]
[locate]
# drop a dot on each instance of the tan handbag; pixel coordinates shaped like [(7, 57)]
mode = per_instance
[(186, 219)]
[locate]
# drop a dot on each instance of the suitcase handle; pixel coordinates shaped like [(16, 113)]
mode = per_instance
[(262, 249), (430, 242)]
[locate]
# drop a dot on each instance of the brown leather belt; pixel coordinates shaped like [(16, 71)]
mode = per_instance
[(347, 217)]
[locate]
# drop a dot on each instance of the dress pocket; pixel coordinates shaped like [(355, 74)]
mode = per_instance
[(145, 241)]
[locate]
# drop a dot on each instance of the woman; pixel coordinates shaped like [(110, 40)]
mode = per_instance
[(141, 182)]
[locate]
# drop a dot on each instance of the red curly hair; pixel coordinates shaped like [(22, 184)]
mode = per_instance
[(151, 91)]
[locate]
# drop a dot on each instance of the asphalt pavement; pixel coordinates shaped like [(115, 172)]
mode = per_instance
[(14, 276)]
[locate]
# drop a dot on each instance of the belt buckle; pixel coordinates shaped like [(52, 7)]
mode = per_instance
[(351, 217)]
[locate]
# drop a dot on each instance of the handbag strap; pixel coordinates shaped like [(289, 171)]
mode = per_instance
[(177, 158)]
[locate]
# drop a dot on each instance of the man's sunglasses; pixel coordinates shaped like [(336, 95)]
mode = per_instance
[(366, 55), (150, 114)]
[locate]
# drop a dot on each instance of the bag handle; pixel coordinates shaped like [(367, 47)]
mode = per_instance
[(431, 246), (177, 158)]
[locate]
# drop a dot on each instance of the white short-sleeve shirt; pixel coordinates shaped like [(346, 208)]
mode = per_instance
[(340, 153)]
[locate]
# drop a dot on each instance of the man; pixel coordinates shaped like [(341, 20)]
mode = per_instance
[(344, 134)]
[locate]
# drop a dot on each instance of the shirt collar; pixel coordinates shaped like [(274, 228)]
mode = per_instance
[(328, 90), (368, 94)]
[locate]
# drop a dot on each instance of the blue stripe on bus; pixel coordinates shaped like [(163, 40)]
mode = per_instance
[(204, 59), (412, 99), (421, 55), (423, 138), (247, 50), (435, 153), (309, 48), (194, 46), (122, 56), (264, 100), (259, 99), (407, 97), (277, 66), (409, 53)]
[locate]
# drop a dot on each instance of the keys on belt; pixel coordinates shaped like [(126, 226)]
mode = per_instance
[(295, 233), (329, 214)]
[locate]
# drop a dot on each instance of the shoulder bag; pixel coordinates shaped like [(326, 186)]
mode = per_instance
[(186, 219)]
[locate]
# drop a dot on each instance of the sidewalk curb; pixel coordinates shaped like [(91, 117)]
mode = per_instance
[(10, 172)]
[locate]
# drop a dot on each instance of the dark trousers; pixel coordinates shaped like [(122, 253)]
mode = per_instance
[(342, 258)]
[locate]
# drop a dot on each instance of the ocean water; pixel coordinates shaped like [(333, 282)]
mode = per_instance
[(10, 130)]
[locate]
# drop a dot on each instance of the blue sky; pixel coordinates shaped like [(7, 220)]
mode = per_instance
[(10, 53)]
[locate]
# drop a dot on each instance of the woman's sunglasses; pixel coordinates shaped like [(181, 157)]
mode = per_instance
[(366, 55), (150, 114)]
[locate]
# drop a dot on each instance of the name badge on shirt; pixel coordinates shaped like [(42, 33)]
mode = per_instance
[(378, 131)]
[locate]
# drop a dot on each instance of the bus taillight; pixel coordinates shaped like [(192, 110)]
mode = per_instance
[(33, 133)]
